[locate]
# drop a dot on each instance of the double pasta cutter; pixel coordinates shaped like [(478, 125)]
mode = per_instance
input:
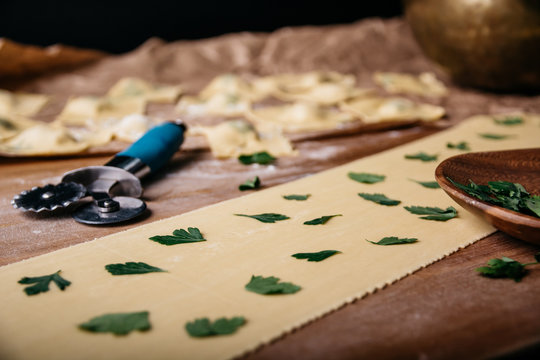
[(115, 188)]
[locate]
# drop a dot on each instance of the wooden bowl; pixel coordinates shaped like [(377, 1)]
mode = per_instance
[(518, 166)]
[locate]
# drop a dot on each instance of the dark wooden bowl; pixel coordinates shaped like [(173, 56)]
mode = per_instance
[(518, 166)]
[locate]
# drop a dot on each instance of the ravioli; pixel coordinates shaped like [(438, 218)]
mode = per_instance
[(238, 137), (379, 109), (300, 116), (79, 111), (425, 84), (21, 104), (43, 139), (133, 87), (324, 88)]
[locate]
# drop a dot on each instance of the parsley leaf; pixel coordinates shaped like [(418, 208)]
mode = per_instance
[(394, 240), (41, 283), (270, 286), (296, 197), (6, 124), (320, 221), (492, 136), (379, 199), (131, 268), (316, 256), (204, 327), (180, 236), (512, 196), (118, 323), (262, 158), (506, 268), (459, 146), (503, 268), (266, 217), (428, 184), (366, 178), (250, 184), (434, 213), (509, 121), (533, 204), (422, 156)]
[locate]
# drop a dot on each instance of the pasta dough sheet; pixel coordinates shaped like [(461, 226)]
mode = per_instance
[(207, 279)]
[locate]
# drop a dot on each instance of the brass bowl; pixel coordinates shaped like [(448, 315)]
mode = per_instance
[(491, 44)]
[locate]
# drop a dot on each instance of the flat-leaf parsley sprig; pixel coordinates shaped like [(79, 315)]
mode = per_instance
[(433, 213), (204, 327), (506, 268), (512, 196), (41, 283), (180, 236), (270, 286), (321, 220), (266, 217), (118, 323)]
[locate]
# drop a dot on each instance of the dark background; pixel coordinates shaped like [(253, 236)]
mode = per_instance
[(120, 26)]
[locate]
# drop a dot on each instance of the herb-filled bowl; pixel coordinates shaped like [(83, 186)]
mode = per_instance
[(488, 184)]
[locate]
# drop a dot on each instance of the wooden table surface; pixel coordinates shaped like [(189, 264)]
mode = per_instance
[(443, 311)]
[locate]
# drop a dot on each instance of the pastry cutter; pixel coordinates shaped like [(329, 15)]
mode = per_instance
[(115, 188)]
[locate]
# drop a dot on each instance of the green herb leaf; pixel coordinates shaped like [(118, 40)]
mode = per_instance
[(250, 184), (422, 156), (503, 268), (492, 136), (41, 283), (506, 268), (7, 124), (262, 158), (270, 286), (320, 221), (297, 197), (428, 184), (394, 240), (180, 236), (266, 217), (434, 213), (118, 323), (203, 327), (512, 196), (533, 204), (379, 199), (131, 268), (459, 146), (316, 256), (481, 192), (366, 178), (509, 121)]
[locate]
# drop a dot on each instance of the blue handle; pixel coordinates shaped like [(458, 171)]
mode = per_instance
[(157, 146)]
